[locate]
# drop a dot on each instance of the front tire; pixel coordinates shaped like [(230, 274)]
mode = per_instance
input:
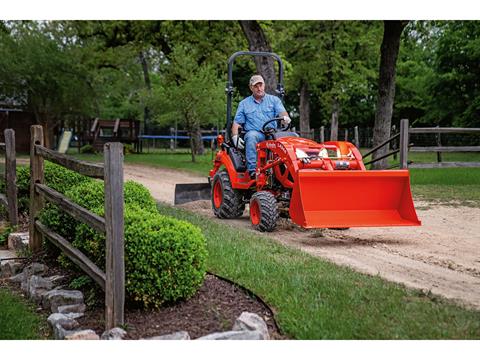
[(263, 211), (226, 202)]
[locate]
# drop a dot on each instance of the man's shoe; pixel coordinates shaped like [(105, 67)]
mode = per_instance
[(252, 174)]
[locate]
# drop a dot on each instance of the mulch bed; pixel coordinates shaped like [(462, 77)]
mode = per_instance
[(213, 308)]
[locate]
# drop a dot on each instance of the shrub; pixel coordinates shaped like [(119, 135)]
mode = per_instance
[(57, 177), (165, 258), (128, 149), (87, 149)]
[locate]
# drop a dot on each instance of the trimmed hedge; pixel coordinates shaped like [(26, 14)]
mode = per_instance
[(57, 177), (165, 258)]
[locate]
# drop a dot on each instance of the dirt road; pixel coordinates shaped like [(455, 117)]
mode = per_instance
[(442, 256)]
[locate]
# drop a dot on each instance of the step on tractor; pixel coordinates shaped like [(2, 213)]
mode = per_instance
[(316, 185)]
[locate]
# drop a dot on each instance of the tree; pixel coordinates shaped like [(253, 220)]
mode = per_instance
[(189, 94), (257, 41), (456, 87), (43, 75), (386, 87)]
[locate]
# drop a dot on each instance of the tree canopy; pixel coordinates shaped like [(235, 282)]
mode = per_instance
[(165, 71)]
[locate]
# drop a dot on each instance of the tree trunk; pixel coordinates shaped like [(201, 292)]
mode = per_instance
[(192, 146), (335, 116), (258, 42), (386, 87), (148, 85), (304, 109), (198, 142)]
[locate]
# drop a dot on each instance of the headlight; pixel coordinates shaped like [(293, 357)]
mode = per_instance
[(300, 154)]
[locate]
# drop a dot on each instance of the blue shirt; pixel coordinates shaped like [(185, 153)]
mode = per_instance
[(252, 114)]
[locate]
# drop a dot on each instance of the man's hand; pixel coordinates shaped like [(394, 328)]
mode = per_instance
[(286, 120), (238, 142)]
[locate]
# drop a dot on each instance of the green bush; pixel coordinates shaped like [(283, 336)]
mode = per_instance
[(57, 177), (128, 149), (165, 258), (87, 149)]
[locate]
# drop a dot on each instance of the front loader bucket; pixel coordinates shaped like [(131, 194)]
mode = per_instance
[(185, 193), (340, 199)]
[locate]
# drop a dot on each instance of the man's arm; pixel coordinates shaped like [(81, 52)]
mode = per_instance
[(235, 127)]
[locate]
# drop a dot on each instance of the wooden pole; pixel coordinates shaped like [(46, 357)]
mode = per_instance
[(36, 177), (114, 225), (439, 144), (11, 176), (357, 139), (322, 134), (346, 134), (403, 144)]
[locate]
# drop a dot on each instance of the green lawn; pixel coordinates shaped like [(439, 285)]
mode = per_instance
[(18, 320), (316, 299)]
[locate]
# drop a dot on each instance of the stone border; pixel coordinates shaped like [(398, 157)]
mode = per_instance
[(68, 305)]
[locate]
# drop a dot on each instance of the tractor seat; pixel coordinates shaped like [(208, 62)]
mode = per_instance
[(281, 134)]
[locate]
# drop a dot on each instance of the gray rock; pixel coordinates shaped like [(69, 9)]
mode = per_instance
[(55, 279), (34, 269), (54, 298), (251, 322), (83, 335), (18, 241), (75, 308), (234, 335), (179, 335), (59, 333), (15, 267), (65, 322), (5, 269), (9, 268), (114, 334), (18, 278), (37, 286)]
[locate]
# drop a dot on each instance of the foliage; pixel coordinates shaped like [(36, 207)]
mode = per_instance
[(174, 71), (164, 257), (57, 177), (87, 149), (4, 232)]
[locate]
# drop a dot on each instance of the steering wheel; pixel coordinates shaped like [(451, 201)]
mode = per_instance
[(268, 131)]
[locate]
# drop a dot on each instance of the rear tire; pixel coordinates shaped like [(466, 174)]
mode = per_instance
[(226, 202), (263, 211)]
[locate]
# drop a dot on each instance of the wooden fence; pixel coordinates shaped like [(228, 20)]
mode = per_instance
[(405, 146), (9, 199), (439, 148), (112, 281)]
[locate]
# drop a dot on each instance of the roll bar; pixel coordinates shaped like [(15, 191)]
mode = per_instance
[(229, 88)]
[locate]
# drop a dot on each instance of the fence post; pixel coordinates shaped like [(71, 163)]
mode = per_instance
[(11, 176), (357, 140), (114, 224), (322, 134), (439, 144), (36, 177), (403, 144)]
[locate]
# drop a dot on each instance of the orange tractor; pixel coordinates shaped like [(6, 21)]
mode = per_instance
[(316, 185)]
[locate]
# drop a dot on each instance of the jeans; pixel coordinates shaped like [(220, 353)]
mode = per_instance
[(252, 138)]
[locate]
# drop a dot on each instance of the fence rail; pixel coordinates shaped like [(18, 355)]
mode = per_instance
[(112, 281), (9, 199)]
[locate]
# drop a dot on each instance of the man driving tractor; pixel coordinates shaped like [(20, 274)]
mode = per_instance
[(252, 113)]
